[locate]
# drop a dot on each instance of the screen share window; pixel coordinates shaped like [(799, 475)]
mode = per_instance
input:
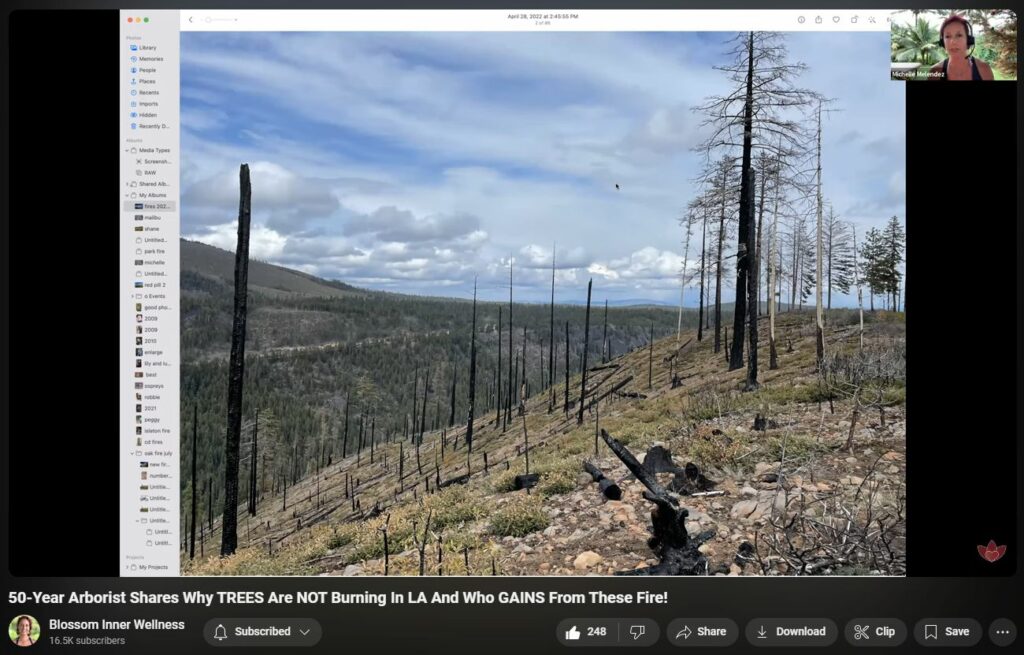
[(589, 320)]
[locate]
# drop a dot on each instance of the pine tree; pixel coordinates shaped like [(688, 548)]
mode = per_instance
[(839, 256), (893, 241), (873, 268)]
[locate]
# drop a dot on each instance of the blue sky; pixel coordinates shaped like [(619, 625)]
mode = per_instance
[(413, 162)]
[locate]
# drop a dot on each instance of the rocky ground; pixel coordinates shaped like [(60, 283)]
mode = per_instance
[(590, 535)]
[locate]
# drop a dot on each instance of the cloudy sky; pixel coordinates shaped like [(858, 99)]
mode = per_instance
[(413, 162)]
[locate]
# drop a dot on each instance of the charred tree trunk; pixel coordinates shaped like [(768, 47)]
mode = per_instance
[(677, 552), (703, 259), (718, 271), (551, 339), (608, 488), (819, 311), (255, 452), (195, 491), (744, 246), (344, 444), (757, 243), (752, 287), (540, 367), (511, 388), (565, 406), (423, 414), (522, 386), (650, 359), (604, 338), (415, 405), (472, 376), (773, 356), (497, 393), (236, 370), (451, 417), (526, 446), (586, 346)]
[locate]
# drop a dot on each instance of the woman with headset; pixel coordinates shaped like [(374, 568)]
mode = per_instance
[(957, 38)]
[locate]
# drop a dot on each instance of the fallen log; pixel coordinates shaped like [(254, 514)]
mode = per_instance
[(526, 480), (630, 394), (679, 351), (677, 552), (593, 389), (461, 479), (608, 488), (615, 387)]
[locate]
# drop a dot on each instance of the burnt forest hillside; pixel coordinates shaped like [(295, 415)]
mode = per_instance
[(361, 399)]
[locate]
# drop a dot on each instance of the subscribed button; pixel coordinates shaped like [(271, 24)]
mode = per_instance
[(792, 632), (876, 632), (703, 632), (284, 633), (947, 632)]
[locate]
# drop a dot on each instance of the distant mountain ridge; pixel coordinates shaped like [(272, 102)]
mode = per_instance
[(271, 279), (212, 262)]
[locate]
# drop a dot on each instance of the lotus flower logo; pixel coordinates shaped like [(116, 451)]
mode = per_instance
[(992, 552)]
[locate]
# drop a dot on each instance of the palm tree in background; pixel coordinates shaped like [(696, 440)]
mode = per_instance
[(916, 43)]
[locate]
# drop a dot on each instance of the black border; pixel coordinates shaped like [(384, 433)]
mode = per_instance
[(63, 437)]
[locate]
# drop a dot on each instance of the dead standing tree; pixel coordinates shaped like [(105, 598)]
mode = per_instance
[(195, 491), (722, 191), (819, 310), (684, 279), (497, 376), (511, 382), (236, 369), (472, 377), (252, 467), (551, 339), (565, 404), (586, 346), (757, 113)]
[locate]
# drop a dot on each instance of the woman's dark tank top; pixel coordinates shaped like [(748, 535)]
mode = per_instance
[(975, 73)]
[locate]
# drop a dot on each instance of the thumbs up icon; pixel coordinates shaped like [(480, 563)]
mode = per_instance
[(572, 634)]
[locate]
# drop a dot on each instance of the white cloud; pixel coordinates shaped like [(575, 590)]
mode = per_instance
[(289, 199), (648, 263), (385, 158)]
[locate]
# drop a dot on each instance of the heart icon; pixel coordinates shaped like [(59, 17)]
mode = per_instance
[(991, 552), (835, 19)]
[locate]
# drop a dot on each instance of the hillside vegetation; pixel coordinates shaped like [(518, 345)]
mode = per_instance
[(799, 496)]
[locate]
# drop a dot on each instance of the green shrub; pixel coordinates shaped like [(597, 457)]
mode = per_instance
[(798, 447), (714, 450), (519, 517), (504, 482), (559, 480)]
